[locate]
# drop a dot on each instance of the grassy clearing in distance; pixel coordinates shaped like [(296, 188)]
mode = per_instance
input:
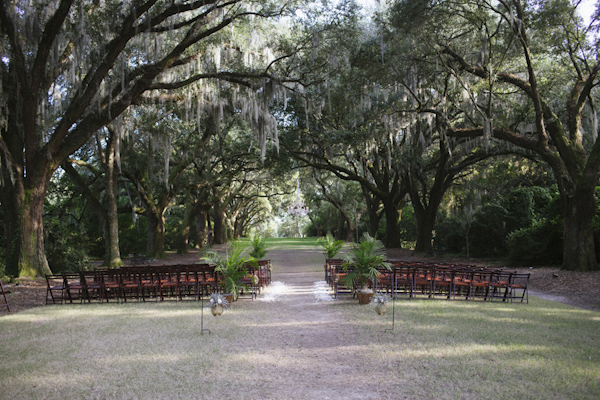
[(291, 243), (288, 243)]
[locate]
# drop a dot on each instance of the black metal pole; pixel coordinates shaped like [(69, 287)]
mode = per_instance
[(202, 315), (394, 287)]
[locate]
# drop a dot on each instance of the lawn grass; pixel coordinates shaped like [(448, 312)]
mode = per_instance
[(438, 349), (292, 243), (455, 349)]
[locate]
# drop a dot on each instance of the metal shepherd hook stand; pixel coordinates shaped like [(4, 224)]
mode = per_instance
[(393, 305), (202, 330)]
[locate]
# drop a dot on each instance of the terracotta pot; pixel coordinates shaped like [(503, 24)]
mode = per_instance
[(230, 297), (216, 309), (380, 309), (364, 298)]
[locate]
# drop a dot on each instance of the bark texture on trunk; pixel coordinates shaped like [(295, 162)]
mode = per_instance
[(218, 231), (113, 253), (393, 214), (155, 247), (579, 251), (201, 224)]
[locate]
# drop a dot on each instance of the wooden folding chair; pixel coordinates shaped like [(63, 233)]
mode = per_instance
[(112, 285), (442, 282), (73, 287), (250, 283), (338, 275), (385, 280), (423, 280), (149, 283), (264, 272), (500, 286), (208, 279), (4, 292), (481, 284), (331, 266), (462, 283), (129, 283), (92, 285), (55, 289), (169, 282), (188, 282), (519, 284), (403, 279)]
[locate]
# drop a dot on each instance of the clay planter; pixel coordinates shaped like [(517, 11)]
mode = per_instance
[(216, 309), (380, 309), (364, 298), (230, 297)]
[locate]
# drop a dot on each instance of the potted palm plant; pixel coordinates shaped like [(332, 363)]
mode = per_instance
[(330, 246), (362, 265), (232, 267), (258, 246), (330, 249)]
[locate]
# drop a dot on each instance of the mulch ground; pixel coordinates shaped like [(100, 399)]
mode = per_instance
[(579, 289)]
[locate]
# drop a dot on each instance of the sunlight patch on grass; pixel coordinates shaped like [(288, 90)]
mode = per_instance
[(298, 324)]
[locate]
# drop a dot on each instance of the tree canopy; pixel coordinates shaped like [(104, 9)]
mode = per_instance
[(190, 121)]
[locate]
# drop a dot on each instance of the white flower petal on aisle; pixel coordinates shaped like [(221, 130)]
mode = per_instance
[(274, 291), (321, 291)]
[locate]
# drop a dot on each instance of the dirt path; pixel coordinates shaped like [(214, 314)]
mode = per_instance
[(312, 334)]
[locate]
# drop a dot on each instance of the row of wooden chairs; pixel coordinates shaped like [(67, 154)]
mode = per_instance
[(146, 282), (334, 276), (455, 282), (448, 281)]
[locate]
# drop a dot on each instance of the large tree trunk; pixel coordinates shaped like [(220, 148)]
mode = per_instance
[(426, 216), (350, 232), (186, 225), (425, 224), (156, 235), (106, 211), (11, 198), (112, 256), (393, 214), (33, 258), (372, 209), (218, 231), (347, 219), (579, 253), (25, 248), (340, 230), (201, 223)]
